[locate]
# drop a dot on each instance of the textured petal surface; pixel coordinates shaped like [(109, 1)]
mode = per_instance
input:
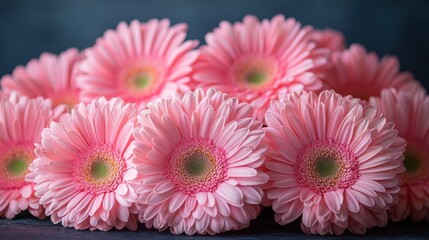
[(199, 156), (323, 167), (138, 62), (363, 75), (410, 112), (21, 123), (83, 169), (257, 60), (50, 76)]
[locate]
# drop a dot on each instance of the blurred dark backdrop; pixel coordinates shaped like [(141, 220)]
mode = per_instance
[(28, 28)]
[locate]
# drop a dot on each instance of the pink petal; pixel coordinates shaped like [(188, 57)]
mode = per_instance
[(332, 201), (242, 172), (176, 202), (122, 189), (231, 194), (26, 191), (130, 174)]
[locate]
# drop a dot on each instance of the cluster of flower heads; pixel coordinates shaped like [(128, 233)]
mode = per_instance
[(146, 127)]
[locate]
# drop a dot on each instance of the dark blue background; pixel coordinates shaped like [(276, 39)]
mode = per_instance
[(28, 28)]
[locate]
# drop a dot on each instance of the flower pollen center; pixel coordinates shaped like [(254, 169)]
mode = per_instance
[(196, 165), (99, 169), (141, 81), (256, 77), (17, 166), (326, 166), (14, 163), (416, 168), (412, 163), (254, 72)]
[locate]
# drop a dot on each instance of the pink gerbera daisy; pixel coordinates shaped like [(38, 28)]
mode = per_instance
[(360, 74), (83, 169), (410, 112), (21, 122), (333, 161), (50, 76), (328, 38), (199, 157), (255, 61), (138, 62)]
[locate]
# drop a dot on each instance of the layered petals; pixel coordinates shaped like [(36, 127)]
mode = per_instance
[(138, 62), (83, 168), (50, 76), (332, 161), (329, 38), (410, 112), (257, 60), (199, 157), (363, 75), (21, 122)]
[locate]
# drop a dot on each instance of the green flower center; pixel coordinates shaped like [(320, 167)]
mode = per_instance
[(141, 81), (412, 163), (14, 164), (100, 170), (254, 71), (326, 166), (256, 78), (197, 165), (17, 166), (416, 169)]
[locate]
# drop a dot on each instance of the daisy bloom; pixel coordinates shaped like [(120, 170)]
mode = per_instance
[(21, 122), (83, 169), (328, 38), (363, 75), (199, 156), (255, 61), (50, 76), (410, 112), (333, 161), (138, 62)]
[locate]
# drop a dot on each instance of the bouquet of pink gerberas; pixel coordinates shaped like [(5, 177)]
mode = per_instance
[(146, 127)]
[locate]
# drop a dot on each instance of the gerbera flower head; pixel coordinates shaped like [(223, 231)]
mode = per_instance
[(363, 75), (199, 155), (83, 171), (50, 76), (410, 112), (328, 38), (333, 161), (138, 62), (255, 61), (21, 122)]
